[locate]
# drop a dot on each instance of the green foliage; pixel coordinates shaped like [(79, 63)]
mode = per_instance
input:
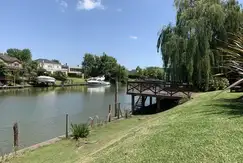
[(41, 72), (148, 72), (74, 75), (94, 65), (79, 131), (188, 49), (23, 55), (3, 70), (59, 76)]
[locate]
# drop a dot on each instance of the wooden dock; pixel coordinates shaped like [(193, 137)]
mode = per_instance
[(156, 89)]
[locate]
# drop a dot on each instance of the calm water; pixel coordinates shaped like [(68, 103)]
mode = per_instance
[(40, 113)]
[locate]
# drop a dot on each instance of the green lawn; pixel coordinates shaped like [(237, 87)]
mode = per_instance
[(75, 80), (201, 130)]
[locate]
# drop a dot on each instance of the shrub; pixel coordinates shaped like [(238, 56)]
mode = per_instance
[(218, 84), (79, 131), (215, 84)]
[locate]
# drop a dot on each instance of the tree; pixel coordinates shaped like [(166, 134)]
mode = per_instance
[(90, 65), (30, 69), (22, 55), (94, 65), (139, 72), (3, 70), (188, 49)]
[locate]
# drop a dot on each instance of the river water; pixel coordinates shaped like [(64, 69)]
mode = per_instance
[(40, 112)]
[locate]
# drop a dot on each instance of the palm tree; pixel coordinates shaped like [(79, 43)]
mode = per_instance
[(232, 54)]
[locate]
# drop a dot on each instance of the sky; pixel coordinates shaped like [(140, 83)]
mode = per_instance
[(67, 29)]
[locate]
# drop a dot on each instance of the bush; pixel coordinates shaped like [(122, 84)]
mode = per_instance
[(79, 131), (218, 84), (215, 84)]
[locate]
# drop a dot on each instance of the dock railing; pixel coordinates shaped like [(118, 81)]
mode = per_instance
[(158, 88)]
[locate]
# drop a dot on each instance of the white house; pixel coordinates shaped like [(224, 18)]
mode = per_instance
[(73, 70), (50, 66)]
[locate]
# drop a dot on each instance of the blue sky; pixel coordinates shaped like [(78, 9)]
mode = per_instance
[(66, 29)]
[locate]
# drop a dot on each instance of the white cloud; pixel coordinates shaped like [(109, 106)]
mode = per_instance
[(63, 5), (133, 37), (90, 4), (119, 10)]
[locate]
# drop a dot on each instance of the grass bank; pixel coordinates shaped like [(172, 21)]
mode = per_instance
[(201, 130), (75, 80)]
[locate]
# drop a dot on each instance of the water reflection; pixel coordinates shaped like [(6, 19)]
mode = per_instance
[(40, 112), (102, 89)]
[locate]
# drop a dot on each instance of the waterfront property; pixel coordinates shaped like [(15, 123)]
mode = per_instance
[(205, 129), (10, 62), (72, 70), (40, 112), (50, 66), (156, 89)]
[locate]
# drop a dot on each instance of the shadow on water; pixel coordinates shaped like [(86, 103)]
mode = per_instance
[(166, 104)]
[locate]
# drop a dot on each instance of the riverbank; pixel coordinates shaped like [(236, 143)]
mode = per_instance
[(75, 82), (205, 129)]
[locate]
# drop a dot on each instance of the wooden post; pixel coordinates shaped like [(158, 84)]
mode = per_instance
[(126, 113), (158, 104), (116, 97), (118, 110), (151, 100), (109, 114), (16, 136), (66, 126), (143, 101), (133, 103)]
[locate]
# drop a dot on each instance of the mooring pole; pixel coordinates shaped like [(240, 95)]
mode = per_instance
[(16, 136), (66, 126), (116, 97)]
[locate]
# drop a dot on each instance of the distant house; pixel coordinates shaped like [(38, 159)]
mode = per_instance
[(71, 70), (50, 66), (10, 62)]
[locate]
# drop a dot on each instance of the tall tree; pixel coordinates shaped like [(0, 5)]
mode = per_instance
[(23, 55), (189, 48), (94, 65)]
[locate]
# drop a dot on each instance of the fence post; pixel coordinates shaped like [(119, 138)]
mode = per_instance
[(109, 114), (66, 126), (118, 110), (16, 136), (126, 113)]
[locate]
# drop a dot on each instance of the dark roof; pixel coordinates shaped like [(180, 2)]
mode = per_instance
[(64, 66), (46, 61), (8, 59)]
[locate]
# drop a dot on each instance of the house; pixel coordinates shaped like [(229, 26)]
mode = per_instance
[(75, 70), (10, 62), (50, 66), (72, 70)]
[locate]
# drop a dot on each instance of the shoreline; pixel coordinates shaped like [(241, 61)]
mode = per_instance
[(31, 86), (51, 141)]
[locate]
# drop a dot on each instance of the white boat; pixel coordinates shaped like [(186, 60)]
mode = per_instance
[(45, 79), (97, 81)]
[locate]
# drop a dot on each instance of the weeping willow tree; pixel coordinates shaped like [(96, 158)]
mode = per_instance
[(189, 49)]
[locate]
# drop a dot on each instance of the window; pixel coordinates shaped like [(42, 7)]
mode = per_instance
[(16, 65)]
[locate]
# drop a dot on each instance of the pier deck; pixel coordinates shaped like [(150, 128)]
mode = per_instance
[(158, 89)]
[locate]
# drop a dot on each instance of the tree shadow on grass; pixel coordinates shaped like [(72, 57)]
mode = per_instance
[(231, 107)]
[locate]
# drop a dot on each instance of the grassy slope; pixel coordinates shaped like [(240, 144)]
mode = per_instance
[(201, 130), (75, 80)]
